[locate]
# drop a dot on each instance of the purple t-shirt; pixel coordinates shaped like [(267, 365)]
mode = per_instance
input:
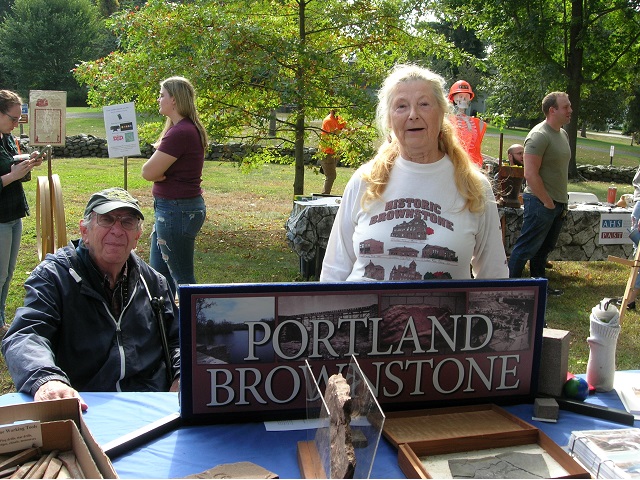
[(184, 176)]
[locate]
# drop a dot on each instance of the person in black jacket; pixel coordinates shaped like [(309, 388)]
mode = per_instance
[(14, 206), (92, 313)]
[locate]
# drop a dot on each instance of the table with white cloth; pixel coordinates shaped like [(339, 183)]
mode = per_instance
[(190, 449), (308, 228)]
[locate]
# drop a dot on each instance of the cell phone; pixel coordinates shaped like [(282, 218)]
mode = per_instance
[(20, 158)]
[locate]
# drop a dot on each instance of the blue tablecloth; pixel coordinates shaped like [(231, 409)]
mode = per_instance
[(193, 449)]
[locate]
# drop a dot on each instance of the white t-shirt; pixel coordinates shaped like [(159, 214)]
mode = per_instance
[(417, 230)]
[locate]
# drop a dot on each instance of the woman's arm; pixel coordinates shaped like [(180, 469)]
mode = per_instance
[(154, 168)]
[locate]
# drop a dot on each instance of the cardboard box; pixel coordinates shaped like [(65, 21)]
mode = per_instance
[(435, 434), (63, 428)]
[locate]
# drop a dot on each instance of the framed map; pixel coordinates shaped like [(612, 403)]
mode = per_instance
[(47, 124)]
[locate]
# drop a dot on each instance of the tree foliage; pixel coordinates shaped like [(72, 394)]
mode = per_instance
[(42, 40), (544, 45), (632, 123), (108, 7), (602, 106), (249, 59)]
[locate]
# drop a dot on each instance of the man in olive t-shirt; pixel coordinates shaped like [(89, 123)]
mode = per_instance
[(546, 170)]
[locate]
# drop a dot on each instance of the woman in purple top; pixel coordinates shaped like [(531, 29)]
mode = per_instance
[(176, 172)]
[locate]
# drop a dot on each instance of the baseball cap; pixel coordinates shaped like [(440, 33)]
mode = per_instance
[(110, 199)]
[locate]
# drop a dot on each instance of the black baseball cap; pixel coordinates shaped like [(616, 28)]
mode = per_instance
[(111, 199)]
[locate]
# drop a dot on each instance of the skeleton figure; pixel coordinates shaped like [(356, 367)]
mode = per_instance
[(470, 129)]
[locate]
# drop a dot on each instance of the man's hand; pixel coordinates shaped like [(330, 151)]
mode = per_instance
[(55, 389), (175, 386)]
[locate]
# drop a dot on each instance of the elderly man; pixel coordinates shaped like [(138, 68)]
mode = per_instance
[(95, 316), (546, 170)]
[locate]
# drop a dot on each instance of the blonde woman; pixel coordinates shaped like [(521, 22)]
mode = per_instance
[(420, 209), (175, 169)]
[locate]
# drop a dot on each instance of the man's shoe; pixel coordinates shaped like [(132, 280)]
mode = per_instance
[(554, 292), (630, 305)]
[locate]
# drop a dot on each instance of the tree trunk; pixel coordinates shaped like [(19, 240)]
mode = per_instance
[(272, 123), (574, 85), (298, 182)]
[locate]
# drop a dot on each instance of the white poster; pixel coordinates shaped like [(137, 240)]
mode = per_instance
[(614, 228), (48, 117), (122, 130)]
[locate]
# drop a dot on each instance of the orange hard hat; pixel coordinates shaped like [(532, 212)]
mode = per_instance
[(461, 86)]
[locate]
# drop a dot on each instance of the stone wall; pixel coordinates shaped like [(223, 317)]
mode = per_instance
[(596, 173), (83, 145), (578, 239), (602, 173)]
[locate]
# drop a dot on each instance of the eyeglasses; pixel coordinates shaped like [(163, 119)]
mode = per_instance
[(128, 222), (13, 119)]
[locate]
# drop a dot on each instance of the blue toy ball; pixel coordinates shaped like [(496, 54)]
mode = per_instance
[(576, 388)]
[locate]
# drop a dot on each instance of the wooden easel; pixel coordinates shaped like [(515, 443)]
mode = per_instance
[(635, 265)]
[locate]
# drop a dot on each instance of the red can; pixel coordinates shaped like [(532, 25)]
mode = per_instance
[(611, 194)]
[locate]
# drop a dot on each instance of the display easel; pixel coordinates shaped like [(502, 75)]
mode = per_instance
[(47, 128), (317, 454), (633, 275), (51, 225)]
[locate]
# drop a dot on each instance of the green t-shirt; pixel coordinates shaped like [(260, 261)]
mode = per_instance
[(553, 147)]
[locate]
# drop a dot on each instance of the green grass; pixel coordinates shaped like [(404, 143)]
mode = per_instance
[(243, 239), (593, 150)]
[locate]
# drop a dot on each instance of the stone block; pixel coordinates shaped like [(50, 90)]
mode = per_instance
[(546, 408), (554, 361)]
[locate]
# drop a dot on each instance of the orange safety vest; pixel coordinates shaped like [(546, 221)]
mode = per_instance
[(470, 132), (330, 124)]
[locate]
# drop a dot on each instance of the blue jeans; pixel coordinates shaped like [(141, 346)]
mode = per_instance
[(540, 231), (177, 222), (10, 235)]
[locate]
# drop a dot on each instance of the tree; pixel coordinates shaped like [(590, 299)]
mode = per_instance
[(557, 44), (42, 40), (632, 122), (5, 6), (249, 59), (108, 7), (601, 107)]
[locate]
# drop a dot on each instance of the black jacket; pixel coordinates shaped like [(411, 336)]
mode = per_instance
[(65, 330)]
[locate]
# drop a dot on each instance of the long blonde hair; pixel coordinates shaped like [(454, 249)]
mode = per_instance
[(181, 89), (467, 176)]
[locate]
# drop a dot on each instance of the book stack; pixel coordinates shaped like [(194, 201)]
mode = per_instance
[(608, 453)]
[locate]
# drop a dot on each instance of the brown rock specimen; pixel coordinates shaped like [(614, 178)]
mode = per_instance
[(342, 455)]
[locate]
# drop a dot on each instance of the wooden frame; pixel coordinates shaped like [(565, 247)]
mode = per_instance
[(429, 433)]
